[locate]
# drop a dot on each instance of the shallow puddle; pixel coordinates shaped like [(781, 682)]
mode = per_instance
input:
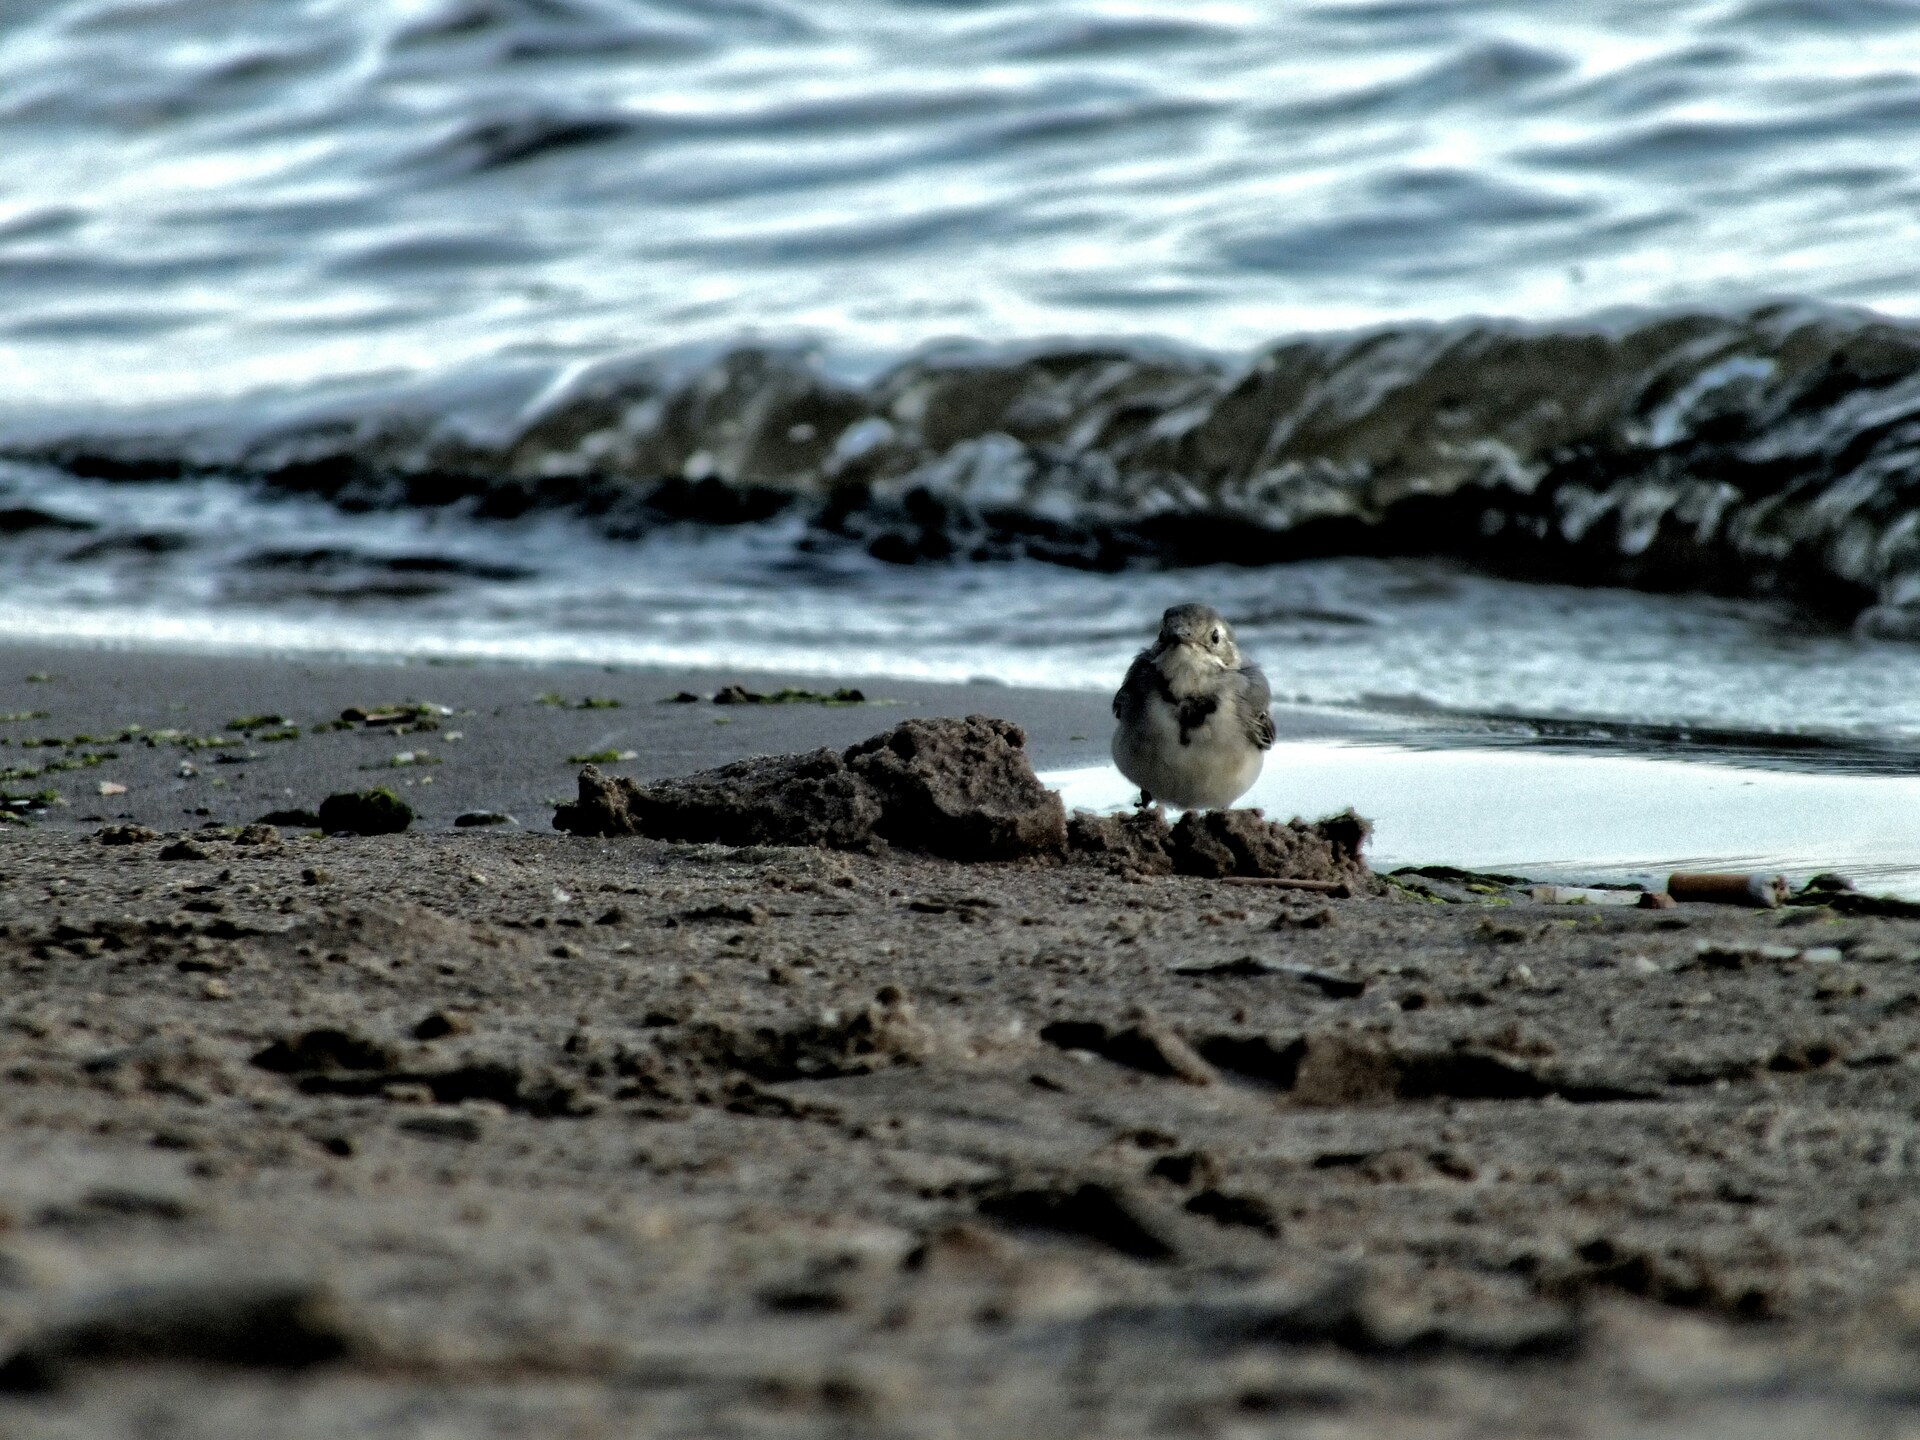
[(1556, 815)]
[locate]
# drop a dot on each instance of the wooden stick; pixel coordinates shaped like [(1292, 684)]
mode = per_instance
[(1338, 889)]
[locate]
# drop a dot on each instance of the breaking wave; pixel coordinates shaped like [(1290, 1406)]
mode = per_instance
[(1773, 452)]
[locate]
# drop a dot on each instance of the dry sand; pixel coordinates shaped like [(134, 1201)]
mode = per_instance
[(506, 1132)]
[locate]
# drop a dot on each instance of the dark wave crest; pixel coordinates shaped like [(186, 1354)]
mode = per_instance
[(1770, 452)]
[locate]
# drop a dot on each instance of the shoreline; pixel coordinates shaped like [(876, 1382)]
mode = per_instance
[(512, 754), (509, 739)]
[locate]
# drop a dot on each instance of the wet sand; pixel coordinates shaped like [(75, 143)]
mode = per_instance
[(507, 1132)]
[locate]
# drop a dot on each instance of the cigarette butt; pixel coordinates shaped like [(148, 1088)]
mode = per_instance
[(1584, 895), (1763, 891), (1656, 900)]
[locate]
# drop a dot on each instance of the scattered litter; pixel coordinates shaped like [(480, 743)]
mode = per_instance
[(110, 787), (1764, 891)]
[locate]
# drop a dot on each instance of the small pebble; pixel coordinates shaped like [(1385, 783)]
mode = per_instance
[(442, 1023)]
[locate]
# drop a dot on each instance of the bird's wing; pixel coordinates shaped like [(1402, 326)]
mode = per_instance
[(1143, 678), (1254, 699)]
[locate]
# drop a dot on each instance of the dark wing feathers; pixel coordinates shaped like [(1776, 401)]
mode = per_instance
[(1253, 707), (1143, 678)]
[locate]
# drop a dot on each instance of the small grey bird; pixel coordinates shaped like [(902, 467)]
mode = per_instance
[(1193, 723)]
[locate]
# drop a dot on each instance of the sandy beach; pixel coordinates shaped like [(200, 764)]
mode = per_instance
[(494, 737), (499, 1131)]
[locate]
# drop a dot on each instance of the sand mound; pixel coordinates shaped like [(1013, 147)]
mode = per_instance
[(963, 789), (958, 788), (1219, 843)]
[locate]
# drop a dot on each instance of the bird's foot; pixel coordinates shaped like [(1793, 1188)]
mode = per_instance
[(1145, 802)]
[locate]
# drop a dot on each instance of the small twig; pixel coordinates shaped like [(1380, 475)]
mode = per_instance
[(1338, 889)]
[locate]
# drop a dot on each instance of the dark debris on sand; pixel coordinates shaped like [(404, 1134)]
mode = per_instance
[(960, 789)]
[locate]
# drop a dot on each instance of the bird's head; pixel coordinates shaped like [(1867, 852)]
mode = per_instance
[(1200, 628)]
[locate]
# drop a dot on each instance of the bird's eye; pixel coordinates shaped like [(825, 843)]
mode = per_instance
[(1216, 636)]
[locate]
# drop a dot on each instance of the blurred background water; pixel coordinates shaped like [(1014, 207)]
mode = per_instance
[(292, 293), (203, 197)]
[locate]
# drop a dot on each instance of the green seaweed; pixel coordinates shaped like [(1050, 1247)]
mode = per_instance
[(390, 718), (209, 742), (789, 695), (61, 742), (256, 722), (19, 715), (85, 761), (603, 757), (585, 702)]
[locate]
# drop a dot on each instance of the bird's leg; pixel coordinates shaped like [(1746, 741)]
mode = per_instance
[(1145, 802)]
